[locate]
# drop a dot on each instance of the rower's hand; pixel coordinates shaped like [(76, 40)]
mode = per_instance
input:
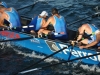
[(73, 42)]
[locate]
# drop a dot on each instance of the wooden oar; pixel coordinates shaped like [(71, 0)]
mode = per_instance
[(23, 72)]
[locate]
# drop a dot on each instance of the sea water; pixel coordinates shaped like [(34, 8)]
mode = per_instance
[(14, 59)]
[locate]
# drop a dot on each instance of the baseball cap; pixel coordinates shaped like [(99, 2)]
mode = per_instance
[(44, 13)]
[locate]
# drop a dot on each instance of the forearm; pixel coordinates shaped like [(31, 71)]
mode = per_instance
[(1, 25), (91, 44), (43, 28), (79, 37), (40, 31)]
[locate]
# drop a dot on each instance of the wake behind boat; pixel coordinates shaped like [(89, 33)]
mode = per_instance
[(64, 50)]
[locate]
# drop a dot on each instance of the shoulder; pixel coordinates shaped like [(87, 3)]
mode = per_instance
[(12, 8), (4, 14), (84, 25), (51, 18)]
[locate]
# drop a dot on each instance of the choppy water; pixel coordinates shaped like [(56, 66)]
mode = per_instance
[(14, 59)]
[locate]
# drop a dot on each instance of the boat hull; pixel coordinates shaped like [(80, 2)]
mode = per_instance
[(48, 47)]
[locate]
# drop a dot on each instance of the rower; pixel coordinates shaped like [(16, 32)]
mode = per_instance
[(59, 26), (9, 15), (93, 35), (37, 22)]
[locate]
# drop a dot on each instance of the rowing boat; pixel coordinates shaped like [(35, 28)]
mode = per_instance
[(48, 46)]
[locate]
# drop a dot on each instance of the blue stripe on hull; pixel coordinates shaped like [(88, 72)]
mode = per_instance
[(49, 47)]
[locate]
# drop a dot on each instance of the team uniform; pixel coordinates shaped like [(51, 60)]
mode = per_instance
[(60, 27), (14, 19), (16, 15), (36, 24), (95, 30), (93, 35)]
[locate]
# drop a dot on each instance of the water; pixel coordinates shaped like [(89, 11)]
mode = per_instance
[(14, 59)]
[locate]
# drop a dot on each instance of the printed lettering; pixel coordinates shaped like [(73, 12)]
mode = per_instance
[(17, 36), (35, 40), (9, 34), (62, 46), (75, 53), (93, 58), (98, 56), (79, 53)]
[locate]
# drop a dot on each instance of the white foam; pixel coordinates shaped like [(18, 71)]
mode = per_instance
[(33, 54)]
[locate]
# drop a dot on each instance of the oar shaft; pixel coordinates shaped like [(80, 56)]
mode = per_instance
[(93, 15), (72, 60), (23, 72), (48, 56), (44, 58), (24, 7), (17, 39), (27, 6)]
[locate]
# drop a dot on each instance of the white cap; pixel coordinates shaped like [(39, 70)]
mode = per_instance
[(44, 13)]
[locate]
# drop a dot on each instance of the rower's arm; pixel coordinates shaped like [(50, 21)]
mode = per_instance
[(81, 32), (47, 23), (95, 42), (43, 23), (2, 20)]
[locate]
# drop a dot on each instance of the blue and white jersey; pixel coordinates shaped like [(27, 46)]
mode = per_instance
[(60, 27), (14, 19), (39, 23), (36, 23), (93, 36), (16, 15)]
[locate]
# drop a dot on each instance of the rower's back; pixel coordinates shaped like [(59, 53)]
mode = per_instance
[(10, 15), (59, 24)]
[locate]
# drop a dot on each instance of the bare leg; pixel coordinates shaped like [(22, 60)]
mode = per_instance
[(33, 32), (98, 48), (46, 31)]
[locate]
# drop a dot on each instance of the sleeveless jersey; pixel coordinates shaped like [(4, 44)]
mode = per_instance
[(13, 18), (36, 22), (60, 27)]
